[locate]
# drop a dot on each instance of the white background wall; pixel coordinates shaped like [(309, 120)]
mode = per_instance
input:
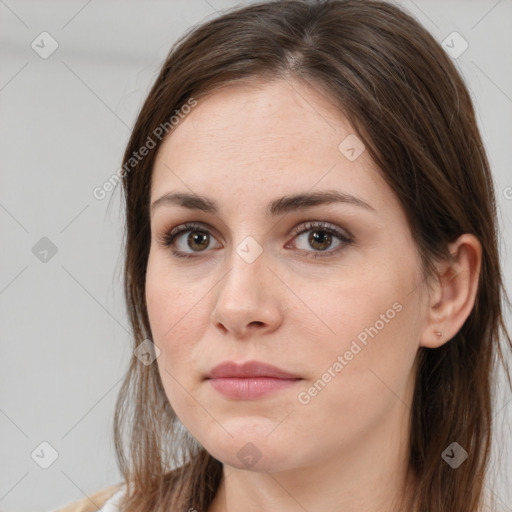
[(64, 122)]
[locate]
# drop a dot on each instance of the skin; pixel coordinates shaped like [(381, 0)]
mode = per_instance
[(345, 450)]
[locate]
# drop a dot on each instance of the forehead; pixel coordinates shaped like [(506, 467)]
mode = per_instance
[(278, 116), (245, 140)]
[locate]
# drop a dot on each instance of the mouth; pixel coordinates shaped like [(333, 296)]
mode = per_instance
[(251, 380)]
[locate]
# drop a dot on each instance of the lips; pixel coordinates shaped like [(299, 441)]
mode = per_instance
[(250, 369), (250, 381)]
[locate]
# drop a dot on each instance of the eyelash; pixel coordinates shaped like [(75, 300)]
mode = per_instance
[(167, 239)]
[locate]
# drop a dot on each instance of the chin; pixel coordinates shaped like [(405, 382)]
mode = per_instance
[(252, 453)]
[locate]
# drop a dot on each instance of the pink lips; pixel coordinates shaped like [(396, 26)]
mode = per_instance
[(250, 380)]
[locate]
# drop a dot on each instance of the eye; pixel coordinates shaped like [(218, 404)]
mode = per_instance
[(321, 237), (199, 238)]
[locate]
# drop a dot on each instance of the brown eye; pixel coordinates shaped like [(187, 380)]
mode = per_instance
[(197, 241), (320, 238)]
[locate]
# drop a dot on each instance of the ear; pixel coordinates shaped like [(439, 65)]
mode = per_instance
[(452, 296)]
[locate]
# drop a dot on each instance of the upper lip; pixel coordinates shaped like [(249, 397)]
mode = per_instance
[(248, 369)]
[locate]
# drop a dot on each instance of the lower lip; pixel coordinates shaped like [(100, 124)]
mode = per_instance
[(250, 388)]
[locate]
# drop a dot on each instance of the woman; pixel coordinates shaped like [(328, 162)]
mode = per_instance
[(311, 271)]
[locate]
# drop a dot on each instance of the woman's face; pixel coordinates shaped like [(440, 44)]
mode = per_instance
[(338, 305)]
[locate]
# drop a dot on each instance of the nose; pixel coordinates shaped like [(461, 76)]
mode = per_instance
[(248, 299)]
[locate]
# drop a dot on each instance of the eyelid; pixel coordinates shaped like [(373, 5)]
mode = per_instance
[(186, 226), (308, 225)]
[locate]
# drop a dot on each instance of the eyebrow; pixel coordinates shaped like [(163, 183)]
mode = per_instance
[(285, 204)]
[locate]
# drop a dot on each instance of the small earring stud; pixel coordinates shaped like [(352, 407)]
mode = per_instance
[(438, 333)]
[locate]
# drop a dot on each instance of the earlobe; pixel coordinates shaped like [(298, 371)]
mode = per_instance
[(453, 295)]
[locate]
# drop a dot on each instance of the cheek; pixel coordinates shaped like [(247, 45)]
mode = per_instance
[(178, 317), (174, 323), (363, 373), (368, 330), (166, 297), (168, 310), (363, 303)]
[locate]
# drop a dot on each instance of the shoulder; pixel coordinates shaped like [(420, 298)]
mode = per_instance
[(92, 502)]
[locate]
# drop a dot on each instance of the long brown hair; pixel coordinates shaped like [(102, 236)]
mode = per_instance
[(410, 107)]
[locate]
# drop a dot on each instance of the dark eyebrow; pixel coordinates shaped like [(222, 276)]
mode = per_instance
[(276, 207)]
